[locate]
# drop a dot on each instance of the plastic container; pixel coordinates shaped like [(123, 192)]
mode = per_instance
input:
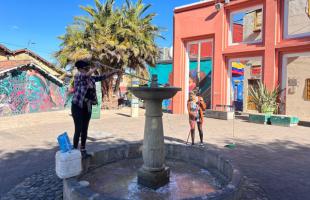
[(68, 164), (64, 142)]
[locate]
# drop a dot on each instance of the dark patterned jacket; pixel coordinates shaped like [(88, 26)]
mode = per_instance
[(83, 83)]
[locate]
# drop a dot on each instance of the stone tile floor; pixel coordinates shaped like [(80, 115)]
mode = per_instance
[(275, 159)]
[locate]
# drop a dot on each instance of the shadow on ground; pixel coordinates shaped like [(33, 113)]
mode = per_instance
[(122, 114), (281, 168)]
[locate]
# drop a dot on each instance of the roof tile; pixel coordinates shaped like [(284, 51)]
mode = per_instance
[(10, 64)]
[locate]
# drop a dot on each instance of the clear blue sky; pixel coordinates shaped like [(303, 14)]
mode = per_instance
[(24, 22)]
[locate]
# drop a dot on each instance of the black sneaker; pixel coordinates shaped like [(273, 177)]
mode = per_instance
[(85, 154)]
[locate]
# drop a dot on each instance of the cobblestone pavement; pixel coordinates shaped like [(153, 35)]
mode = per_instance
[(275, 159), (43, 185)]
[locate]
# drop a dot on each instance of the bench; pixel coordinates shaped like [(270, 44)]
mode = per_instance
[(226, 112)]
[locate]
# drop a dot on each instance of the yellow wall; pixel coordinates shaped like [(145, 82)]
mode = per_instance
[(2, 56), (24, 56)]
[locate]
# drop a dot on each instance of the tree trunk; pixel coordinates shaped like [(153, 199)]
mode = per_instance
[(109, 100)]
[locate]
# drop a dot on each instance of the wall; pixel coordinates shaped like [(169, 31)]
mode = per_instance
[(298, 68), (27, 91), (3, 56), (164, 72), (298, 17), (216, 25), (186, 23)]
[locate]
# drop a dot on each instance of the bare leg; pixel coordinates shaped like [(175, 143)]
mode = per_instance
[(192, 126), (199, 124)]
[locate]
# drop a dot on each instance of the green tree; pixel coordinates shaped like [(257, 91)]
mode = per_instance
[(118, 37)]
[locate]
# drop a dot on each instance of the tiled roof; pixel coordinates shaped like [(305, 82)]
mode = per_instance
[(31, 53), (6, 50), (10, 64)]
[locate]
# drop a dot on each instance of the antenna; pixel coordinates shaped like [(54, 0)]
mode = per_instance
[(30, 43)]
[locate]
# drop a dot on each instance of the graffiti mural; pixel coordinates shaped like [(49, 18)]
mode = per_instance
[(164, 73), (27, 91)]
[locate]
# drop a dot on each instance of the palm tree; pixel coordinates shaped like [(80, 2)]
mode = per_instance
[(118, 37)]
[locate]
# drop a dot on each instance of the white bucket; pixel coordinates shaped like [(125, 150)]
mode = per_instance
[(68, 164)]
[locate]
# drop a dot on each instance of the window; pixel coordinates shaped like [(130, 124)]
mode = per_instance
[(308, 89), (246, 26), (258, 20), (199, 71), (243, 73), (295, 98), (296, 18), (308, 8)]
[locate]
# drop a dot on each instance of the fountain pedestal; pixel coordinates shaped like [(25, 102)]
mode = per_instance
[(153, 173)]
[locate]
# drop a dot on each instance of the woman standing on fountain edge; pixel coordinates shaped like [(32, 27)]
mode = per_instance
[(196, 106), (84, 96)]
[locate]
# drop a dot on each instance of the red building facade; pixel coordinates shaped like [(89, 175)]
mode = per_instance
[(249, 35)]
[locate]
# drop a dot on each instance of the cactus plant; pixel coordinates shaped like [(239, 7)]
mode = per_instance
[(264, 100)]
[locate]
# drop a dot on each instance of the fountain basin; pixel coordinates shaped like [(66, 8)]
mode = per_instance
[(177, 155), (154, 93)]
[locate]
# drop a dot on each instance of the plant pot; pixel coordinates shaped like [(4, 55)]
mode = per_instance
[(268, 110)]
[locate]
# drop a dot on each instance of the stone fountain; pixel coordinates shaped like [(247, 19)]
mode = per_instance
[(154, 173), (116, 171)]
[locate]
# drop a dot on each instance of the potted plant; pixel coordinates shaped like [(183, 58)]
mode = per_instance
[(264, 100)]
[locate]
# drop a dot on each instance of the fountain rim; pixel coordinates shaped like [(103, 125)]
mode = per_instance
[(141, 88), (72, 187)]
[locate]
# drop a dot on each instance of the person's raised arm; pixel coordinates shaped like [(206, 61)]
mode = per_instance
[(105, 75), (91, 71)]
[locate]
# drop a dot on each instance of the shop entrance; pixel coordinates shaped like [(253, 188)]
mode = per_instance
[(244, 73)]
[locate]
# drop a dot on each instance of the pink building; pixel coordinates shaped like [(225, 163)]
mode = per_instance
[(245, 41)]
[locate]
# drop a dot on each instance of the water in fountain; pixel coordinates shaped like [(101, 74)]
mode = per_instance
[(119, 180)]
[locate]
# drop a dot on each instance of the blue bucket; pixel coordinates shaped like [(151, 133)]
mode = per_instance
[(64, 142)]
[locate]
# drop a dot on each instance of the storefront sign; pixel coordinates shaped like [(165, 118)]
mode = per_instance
[(256, 71), (292, 82)]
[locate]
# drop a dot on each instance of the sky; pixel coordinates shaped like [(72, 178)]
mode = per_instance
[(35, 24)]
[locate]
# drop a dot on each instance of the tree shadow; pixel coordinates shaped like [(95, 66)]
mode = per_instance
[(281, 167)]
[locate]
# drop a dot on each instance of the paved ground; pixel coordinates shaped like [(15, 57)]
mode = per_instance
[(276, 158)]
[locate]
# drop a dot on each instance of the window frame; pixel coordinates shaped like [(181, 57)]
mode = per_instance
[(308, 89), (229, 77), (187, 61), (283, 83), (230, 30)]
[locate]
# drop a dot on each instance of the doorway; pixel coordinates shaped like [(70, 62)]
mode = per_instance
[(244, 73)]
